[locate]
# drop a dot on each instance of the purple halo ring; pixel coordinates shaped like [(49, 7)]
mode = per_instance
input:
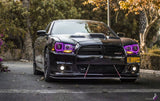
[(131, 48), (58, 43), (63, 47), (69, 45)]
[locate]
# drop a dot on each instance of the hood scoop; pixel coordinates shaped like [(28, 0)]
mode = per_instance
[(77, 36), (98, 35)]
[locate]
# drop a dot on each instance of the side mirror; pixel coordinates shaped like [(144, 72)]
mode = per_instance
[(120, 34), (41, 32)]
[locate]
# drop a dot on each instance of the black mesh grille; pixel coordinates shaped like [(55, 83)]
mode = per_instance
[(113, 51), (91, 50), (101, 50)]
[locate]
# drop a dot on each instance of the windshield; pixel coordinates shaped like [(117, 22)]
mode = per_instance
[(72, 27)]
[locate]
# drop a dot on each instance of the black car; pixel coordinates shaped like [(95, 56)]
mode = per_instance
[(84, 49)]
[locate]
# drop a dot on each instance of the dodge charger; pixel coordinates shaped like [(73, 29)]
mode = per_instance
[(84, 49)]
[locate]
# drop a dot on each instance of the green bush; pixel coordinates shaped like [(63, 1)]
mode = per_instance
[(151, 60), (155, 51)]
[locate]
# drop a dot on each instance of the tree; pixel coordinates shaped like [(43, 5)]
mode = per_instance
[(12, 21), (119, 22), (102, 3), (40, 12), (151, 9), (20, 19)]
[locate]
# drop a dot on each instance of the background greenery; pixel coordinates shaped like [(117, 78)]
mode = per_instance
[(20, 21)]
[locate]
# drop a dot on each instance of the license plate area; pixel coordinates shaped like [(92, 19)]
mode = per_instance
[(133, 60)]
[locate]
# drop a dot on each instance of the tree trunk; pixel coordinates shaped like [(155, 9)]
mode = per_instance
[(142, 26), (143, 44), (143, 36), (28, 53)]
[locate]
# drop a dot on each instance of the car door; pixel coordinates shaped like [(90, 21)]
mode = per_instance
[(40, 45)]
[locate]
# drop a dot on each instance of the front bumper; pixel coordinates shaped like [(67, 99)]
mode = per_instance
[(101, 67)]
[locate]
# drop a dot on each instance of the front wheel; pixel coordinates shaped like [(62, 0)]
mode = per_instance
[(47, 66)]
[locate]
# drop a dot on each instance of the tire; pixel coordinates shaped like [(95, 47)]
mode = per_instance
[(128, 80), (35, 71), (47, 66)]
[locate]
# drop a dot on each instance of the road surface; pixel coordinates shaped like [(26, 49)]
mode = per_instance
[(21, 85)]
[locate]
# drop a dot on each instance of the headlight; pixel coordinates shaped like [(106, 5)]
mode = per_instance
[(62, 47), (132, 49), (135, 48), (59, 46), (68, 47)]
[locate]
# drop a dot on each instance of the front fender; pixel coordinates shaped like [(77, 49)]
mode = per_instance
[(128, 41)]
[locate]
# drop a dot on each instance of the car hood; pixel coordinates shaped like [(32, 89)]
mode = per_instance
[(128, 41), (87, 40)]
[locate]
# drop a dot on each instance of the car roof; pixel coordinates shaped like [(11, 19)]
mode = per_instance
[(76, 20)]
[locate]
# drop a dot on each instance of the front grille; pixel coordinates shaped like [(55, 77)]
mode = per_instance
[(101, 50), (105, 69), (90, 50), (113, 51)]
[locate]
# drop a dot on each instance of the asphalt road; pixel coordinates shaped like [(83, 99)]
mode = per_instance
[(21, 85)]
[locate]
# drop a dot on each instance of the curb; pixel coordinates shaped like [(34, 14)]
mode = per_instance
[(155, 72)]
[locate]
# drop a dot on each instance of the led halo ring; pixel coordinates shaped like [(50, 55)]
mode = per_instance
[(69, 45), (131, 51), (56, 44), (64, 48)]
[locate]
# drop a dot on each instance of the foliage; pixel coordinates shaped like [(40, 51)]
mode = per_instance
[(119, 21), (12, 21), (1, 43), (150, 61), (155, 50), (151, 9), (19, 19), (152, 34), (102, 3), (41, 12), (22, 18)]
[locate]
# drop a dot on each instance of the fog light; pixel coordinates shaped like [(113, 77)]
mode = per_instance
[(129, 52), (62, 68), (134, 68), (67, 51)]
